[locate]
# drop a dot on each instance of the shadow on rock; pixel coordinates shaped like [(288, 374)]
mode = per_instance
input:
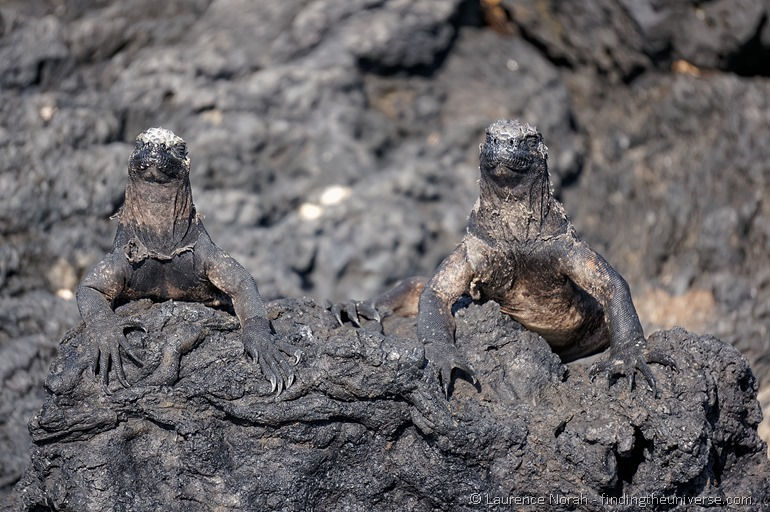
[(366, 427)]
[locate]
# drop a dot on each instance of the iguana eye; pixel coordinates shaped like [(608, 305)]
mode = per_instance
[(532, 142), (511, 142)]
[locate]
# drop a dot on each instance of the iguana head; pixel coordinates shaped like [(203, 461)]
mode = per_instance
[(515, 185), (159, 156), (158, 209), (512, 153)]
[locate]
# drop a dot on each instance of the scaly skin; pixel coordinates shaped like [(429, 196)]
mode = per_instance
[(162, 252), (521, 251)]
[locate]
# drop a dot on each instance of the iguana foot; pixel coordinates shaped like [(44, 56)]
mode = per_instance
[(627, 361), (107, 340), (353, 310), (290, 350), (265, 349), (444, 358)]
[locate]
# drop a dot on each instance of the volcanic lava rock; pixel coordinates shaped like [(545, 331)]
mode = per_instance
[(336, 148), (366, 426)]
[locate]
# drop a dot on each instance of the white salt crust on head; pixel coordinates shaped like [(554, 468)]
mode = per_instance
[(160, 136), (505, 129)]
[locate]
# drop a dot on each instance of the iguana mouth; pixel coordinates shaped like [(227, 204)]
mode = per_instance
[(157, 165), (513, 163), (518, 161)]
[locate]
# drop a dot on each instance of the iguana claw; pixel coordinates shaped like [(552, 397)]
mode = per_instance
[(354, 310), (627, 361)]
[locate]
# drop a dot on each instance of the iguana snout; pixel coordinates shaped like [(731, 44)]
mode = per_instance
[(159, 156), (512, 148)]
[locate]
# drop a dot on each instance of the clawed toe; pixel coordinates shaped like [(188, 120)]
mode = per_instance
[(131, 354), (290, 350), (355, 310), (109, 342), (368, 310), (352, 313), (274, 384), (277, 371), (627, 363), (272, 371), (336, 310), (445, 375), (131, 324), (661, 358), (445, 359)]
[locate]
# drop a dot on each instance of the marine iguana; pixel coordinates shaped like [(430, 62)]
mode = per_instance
[(521, 251), (162, 251)]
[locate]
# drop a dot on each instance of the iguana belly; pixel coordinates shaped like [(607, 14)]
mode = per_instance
[(560, 312)]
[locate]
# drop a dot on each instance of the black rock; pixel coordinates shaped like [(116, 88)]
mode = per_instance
[(334, 148), (366, 427), (622, 39)]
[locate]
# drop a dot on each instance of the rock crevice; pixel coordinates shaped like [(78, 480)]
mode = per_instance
[(366, 425)]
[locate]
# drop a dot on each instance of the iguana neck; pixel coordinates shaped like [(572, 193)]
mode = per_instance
[(158, 214), (518, 213)]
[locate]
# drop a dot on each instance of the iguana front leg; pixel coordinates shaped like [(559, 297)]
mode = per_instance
[(258, 341), (435, 323), (99, 288), (628, 350)]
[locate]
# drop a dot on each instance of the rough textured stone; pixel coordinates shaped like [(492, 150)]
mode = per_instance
[(703, 204), (366, 427), (622, 38), (333, 162)]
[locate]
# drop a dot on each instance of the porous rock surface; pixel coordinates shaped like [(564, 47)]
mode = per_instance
[(334, 148), (366, 427)]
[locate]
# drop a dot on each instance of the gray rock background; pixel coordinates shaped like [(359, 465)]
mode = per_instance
[(334, 147)]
